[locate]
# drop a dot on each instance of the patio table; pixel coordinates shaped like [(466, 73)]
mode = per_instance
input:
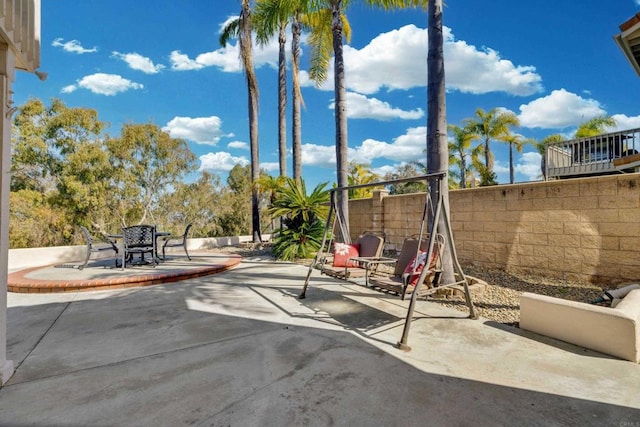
[(156, 235)]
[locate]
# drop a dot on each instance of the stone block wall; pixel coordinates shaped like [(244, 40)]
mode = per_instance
[(584, 229)]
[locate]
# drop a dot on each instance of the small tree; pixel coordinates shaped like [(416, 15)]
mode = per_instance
[(303, 217)]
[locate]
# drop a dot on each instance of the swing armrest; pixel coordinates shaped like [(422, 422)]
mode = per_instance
[(370, 264)]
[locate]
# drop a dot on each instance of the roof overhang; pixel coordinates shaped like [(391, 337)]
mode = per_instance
[(629, 41)]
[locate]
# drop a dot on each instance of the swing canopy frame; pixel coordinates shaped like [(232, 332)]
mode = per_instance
[(435, 225)]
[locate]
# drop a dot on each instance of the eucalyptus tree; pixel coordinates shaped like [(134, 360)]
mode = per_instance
[(595, 126), (60, 168), (147, 163), (242, 28), (489, 126)]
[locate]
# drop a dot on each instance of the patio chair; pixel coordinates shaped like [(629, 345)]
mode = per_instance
[(406, 273), (176, 241), (138, 239), (349, 261), (97, 244)]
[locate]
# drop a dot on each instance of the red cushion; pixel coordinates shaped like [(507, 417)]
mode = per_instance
[(343, 251), (422, 258)]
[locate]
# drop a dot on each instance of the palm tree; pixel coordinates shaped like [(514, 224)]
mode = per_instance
[(359, 173), (242, 29), (268, 187), (541, 148), (489, 126), (461, 144), (304, 217), (276, 13), (437, 147), (340, 30), (596, 126), (517, 141)]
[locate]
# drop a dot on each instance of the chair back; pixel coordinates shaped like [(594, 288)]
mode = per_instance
[(186, 231), (87, 236), (408, 252), (370, 245), (138, 236)]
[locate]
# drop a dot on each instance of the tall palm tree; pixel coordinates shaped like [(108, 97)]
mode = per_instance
[(490, 126), (437, 147), (595, 126), (460, 146), (515, 141), (277, 13), (242, 29), (339, 30)]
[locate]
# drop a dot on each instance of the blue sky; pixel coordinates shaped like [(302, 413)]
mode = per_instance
[(554, 63)]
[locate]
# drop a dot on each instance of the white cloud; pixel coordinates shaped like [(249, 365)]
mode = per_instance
[(319, 155), (138, 62), (405, 148), (221, 162), (238, 144), (361, 107), (106, 84), (226, 58), (72, 46), (201, 130), (559, 109), (69, 89), (624, 122), (270, 166), (529, 166), (402, 53)]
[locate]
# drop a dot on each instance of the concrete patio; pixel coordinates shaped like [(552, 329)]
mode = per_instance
[(239, 348)]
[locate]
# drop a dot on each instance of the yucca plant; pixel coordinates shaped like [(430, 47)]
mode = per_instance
[(303, 219)]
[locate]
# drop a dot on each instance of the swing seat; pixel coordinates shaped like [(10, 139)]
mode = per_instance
[(405, 273), (369, 247)]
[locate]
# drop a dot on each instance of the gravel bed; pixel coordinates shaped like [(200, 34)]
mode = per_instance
[(499, 301)]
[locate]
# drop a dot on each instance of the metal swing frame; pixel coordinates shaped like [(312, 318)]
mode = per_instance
[(439, 179)]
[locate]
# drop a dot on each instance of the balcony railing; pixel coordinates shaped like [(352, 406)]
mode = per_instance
[(614, 152)]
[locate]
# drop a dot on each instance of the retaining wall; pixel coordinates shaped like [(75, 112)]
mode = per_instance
[(584, 229)]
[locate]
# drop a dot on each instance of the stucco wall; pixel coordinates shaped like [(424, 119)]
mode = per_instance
[(587, 229)]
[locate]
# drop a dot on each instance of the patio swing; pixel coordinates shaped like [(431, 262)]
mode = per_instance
[(431, 218)]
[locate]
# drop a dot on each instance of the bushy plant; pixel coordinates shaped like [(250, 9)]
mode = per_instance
[(303, 219)]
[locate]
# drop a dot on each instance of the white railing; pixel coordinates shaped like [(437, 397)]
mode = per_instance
[(594, 155)]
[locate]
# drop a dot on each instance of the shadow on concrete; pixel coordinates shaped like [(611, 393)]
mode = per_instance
[(237, 349)]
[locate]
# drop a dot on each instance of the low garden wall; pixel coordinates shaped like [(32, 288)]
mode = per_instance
[(582, 229)]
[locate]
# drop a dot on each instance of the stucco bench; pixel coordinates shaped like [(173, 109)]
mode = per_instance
[(614, 331)]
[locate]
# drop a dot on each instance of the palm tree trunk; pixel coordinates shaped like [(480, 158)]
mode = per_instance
[(511, 171), (488, 156), (252, 88), (463, 171), (282, 100), (296, 125), (340, 114), (437, 147)]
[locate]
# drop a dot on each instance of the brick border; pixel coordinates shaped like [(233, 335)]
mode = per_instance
[(18, 283)]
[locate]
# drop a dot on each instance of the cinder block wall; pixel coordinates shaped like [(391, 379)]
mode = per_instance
[(585, 229)]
